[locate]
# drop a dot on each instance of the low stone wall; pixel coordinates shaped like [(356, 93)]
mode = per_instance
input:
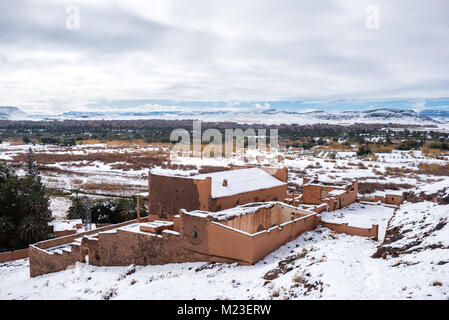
[(352, 231), (13, 255), (42, 262), (64, 233), (123, 248)]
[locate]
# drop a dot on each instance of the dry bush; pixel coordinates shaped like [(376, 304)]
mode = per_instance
[(112, 187), (299, 279), (433, 169), (370, 187), (361, 165), (379, 148), (136, 160), (275, 293)]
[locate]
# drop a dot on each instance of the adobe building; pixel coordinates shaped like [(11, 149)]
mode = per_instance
[(244, 234), (391, 197), (208, 218), (336, 195), (215, 191)]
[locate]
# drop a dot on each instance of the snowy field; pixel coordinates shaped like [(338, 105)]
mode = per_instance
[(317, 265), (123, 170)]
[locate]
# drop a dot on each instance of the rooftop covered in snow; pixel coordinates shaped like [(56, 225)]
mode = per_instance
[(232, 182), (240, 210)]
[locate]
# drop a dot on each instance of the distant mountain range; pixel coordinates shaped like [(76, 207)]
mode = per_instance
[(12, 113), (267, 116), (435, 114)]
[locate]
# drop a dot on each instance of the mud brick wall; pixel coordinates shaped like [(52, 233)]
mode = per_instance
[(123, 248), (13, 255), (170, 194), (393, 199), (353, 231), (42, 262)]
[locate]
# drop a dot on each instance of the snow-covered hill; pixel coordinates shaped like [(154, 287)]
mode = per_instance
[(13, 113), (266, 116), (271, 116)]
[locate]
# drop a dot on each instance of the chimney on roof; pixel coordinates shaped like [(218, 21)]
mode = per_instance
[(225, 183)]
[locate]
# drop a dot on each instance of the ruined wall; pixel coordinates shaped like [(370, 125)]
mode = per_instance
[(123, 248), (229, 243), (265, 218), (393, 199), (312, 194), (42, 262), (250, 248), (353, 231), (13, 255), (271, 194), (267, 241), (170, 194), (387, 199), (194, 233)]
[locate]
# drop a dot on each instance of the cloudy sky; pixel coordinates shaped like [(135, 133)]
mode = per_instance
[(167, 54)]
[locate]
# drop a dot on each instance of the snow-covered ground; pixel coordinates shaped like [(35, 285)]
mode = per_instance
[(317, 265), (361, 215), (59, 207)]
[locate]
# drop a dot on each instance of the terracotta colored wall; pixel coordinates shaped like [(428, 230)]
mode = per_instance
[(265, 218), (353, 231), (312, 195), (64, 233), (42, 262), (246, 248), (389, 199), (266, 242), (279, 173), (188, 224), (228, 243), (393, 199), (124, 248), (13, 255), (175, 193)]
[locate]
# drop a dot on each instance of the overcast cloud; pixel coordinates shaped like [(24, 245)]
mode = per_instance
[(202, 50)]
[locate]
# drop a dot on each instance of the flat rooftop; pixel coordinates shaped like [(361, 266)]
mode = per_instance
[(238, 181)]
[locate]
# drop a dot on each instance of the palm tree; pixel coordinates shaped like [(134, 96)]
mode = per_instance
[(30, 230)]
